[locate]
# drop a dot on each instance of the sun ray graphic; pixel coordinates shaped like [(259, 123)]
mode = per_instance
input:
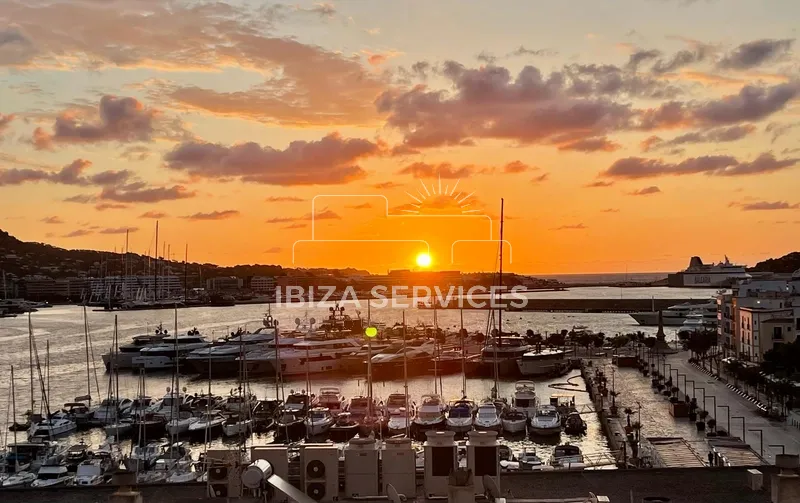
[(433, 199)]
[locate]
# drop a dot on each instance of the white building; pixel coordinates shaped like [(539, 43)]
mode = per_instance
[(133, 287), (262, 284)]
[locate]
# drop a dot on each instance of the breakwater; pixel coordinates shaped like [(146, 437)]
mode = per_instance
[(606, 305)]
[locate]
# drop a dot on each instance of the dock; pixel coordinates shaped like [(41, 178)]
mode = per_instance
[(573, 305)]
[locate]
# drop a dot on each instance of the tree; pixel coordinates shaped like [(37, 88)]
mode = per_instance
[(599, 340), (556, 340)]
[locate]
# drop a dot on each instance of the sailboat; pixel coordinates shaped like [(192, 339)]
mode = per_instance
[(240, 423), (112, 408), (80, 410)]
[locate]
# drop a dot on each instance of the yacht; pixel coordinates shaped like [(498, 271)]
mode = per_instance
[(547, 421), (460, 415), (143, 457), (224, 360), (513, 420), (111, 409), (52, 476), (208, 425), (331, 398), (525, 399), (163, 355), (504, 351), (366, 414), (695, 322), (315, 356), (674, 316), (487, 418), (261, 360), (546, 362), (123, 357), (57, 424), (399, 421), (31, 455), (388, 363), (299, 403), (318, 421), (91, 472), (430, 415), (79, 412), (700, 275), (567, 456), (169, 405)]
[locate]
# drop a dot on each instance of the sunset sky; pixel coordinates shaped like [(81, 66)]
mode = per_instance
[(622, 134)]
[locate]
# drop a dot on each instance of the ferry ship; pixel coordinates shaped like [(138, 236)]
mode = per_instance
[(700, 275)]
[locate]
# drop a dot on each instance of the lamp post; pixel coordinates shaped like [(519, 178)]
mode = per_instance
[(761, 439), (744, 431), (728, 409)]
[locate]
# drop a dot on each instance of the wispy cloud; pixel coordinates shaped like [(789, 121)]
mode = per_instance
[(645, 191), (78, 233), (213, 215), (284, 199), (325, 214), (118, 230), (572, 227), (52, 220), (765, 205), (153, 214)]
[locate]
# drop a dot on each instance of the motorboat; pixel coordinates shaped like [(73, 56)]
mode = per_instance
[(57, 424), (225, 360), (344, 428), (148, 427), (526, 461), (19, 479), (79, 413), (399, 421), (111, 410), (52, 476), (331, 398), (675, 316), (416, 357), (171, 348), (310, 356), (299, 403), (261, 360), (487, 417), (25, 456), (567, 456), (75, 455), (143, 457), (174, 402), (92, 472), (546, 421), (140, 406), (289, 426), (430, 414), (575, 425), (318, 421), (460, 415), (263, 415), (207, 425), (500, 352), (238, 404), (695, 322), (544, 362), (513, 420), (120, 429), (525, 399), (180, 425), (237, 425), (395, 402)]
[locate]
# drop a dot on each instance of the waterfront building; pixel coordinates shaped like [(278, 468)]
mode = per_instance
[(262, 284), (135, 287), (224, 284)]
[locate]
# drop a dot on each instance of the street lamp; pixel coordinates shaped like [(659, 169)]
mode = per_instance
[(743, 427), (761, 439), (728, 409)]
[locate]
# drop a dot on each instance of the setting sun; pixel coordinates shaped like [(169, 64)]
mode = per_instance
[(424, 260)]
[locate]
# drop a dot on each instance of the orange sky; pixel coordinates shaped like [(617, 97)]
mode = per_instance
[(622, 135)]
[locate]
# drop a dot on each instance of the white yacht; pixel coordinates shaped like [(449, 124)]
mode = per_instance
[(90, 473), (525, 398), (547, 421), (504, 352), (487, 417), (567, 456), (675, 315), (123, 357), (399, 421), (430, 415), (163, 355), (51, 476), (514, 421), (111, 409), (460, 415), (331, 398), (58, 424), (261, 360), (695, 322), (318, 421), (315, 356), (224, 360), (547, 362)]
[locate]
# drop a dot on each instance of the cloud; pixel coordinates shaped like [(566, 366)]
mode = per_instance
[(587, 145), (153, 214), (645, 191), (516, 167), (640, 56), (755, 53), (610, 210), (78, 233), (569, 227), (718, 165), (274, 249), (324, 214), (121, 119), (139, 193), (135, 153), (764, 205), (522, 51), (284, 199), (598, 184), (362, 206), (295, 226), (81, 198), (118, 230), (110, 206), (777, 130), (751, 104), (541, 178), (443, 170), (679, 60), (5, 120), (214, 215), (71, 174), (386, 185), (323, 9), (52, 220), (328, 161), (714, 135)]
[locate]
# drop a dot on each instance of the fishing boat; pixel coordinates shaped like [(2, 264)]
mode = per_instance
[(487, 417), (52, 476), (430, 415), (567, 456), (513, 420), (331, 398), (575, 425), (546, 421), (460, 415), (318, 421), (525, 398), (344, 428)]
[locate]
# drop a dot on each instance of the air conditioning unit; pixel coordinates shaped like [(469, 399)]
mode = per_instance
[(361, 468), (399, 461), (483, 456), (224, 477), (278, 458), (319, 472), (441, 458)]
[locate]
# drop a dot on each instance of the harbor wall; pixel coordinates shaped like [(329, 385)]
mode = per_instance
[(584, 305)]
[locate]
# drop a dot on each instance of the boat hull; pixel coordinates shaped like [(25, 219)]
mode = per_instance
[(217, 369), (342, 433), (544, 431), (459, 427), (516, 426)]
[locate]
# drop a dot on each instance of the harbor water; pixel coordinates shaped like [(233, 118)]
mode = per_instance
[(62, 326)]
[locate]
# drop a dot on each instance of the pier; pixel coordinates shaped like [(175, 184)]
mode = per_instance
[(607, 305)]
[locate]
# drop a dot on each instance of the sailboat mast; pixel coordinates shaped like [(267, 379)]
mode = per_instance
[(185, 272), (463, 355), (435, 352), (369, 362), (47, 366), (500, 317), (177, 386), (155, 268), (30, 358), (405, 371), (14, 402), (125, 274), (86, 343)]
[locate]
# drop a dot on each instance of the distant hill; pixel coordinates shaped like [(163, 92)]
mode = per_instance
[(786, 264), (22, 258)]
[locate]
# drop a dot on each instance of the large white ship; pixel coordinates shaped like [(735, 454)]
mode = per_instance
[(700, 275), (674, 316)]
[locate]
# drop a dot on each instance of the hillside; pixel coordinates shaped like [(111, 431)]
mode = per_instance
[(786, 264)]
